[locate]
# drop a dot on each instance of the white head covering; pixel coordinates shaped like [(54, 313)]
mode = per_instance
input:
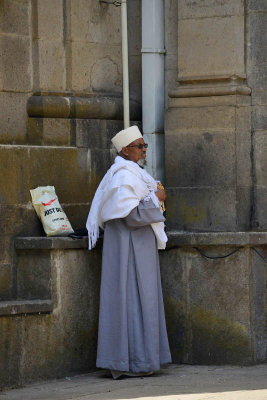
[(125, 137)]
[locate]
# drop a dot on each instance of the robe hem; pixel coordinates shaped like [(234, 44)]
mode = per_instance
[(132, 366)]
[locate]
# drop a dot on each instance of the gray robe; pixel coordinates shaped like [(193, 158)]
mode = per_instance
[(132, 331)]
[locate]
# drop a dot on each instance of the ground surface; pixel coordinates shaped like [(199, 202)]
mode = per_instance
[(177, 382)]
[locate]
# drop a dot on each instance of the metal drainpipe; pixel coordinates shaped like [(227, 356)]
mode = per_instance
[(153, 84)]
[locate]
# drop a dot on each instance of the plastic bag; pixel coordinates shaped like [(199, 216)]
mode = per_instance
[(46, 204)]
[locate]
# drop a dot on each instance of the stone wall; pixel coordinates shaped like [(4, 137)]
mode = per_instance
[(60, 103), (215, 121)]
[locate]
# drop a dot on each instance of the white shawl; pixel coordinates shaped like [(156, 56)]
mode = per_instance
[(120, 191)]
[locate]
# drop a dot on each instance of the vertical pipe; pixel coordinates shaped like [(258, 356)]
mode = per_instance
[(153, 91), (125, 71)]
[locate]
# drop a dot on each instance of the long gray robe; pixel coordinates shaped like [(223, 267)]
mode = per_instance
[(132, 331)]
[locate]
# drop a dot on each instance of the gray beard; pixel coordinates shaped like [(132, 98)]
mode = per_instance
[(142, 163)]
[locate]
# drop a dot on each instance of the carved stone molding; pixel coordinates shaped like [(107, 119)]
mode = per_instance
[(211, 86), (62, 105)]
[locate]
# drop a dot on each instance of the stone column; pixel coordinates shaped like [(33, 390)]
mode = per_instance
[(208, 118), (257, 80)]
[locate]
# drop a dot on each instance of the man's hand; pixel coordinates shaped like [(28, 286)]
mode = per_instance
[(161, 195)]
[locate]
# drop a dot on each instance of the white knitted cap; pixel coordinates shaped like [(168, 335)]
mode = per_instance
[(125, 137)]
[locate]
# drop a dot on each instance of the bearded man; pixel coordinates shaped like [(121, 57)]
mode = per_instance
[(132, 337)]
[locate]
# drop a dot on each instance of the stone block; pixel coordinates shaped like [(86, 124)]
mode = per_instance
[(15, 17), (17, 220), (50, 132), (261, 207), (206, 159), (6, 282), (174, 295), (243, 207), (13, 118), (56, 132), (65, 168), (260, 151), (134, 36), (99, 68), (134, 9), (96, 133), (52, 72), (243, 146), (50, 19), (200, 119), (95, 23), (171, 27), (257, 5), (101, 161), (257, 49), (257, 80), (201, 209), (15, 63), (259, 118), (78, 214), (135, 79), (6, 243), (211, 47), (64, 341), (209, 8), (33, 275), (210, 315), (259, 302), (11, 180)]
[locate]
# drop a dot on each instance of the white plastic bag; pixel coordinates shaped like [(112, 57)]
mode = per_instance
[(46, 204)]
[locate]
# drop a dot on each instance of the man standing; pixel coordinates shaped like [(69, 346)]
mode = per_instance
[(132, 337)]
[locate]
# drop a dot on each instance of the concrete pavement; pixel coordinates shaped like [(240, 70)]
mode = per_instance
[(176, 382)]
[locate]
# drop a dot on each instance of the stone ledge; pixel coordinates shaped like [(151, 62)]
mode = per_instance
[(176, 238), (179, 238), (16, 307), (28, 243)]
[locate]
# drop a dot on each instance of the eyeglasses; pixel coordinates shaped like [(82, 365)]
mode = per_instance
[(139, 146)]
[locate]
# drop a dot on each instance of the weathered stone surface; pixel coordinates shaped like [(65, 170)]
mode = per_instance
[(16, 183), (201, 209), (52, 345), (15, 17), (207, 159), (260, 149), (15, 63), (243, 146), (52, 73), (96, 133), (50, 19), (208, 305), (50, 132), (6, 282), (258, 39), (98, 69), (192, 9), (243, 207), (200, 119), (198, 39), (257, 79), (16, 307), (95, 22), (33, 275), (257, 5), (261, 204), (13, 117), (260, 118)]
